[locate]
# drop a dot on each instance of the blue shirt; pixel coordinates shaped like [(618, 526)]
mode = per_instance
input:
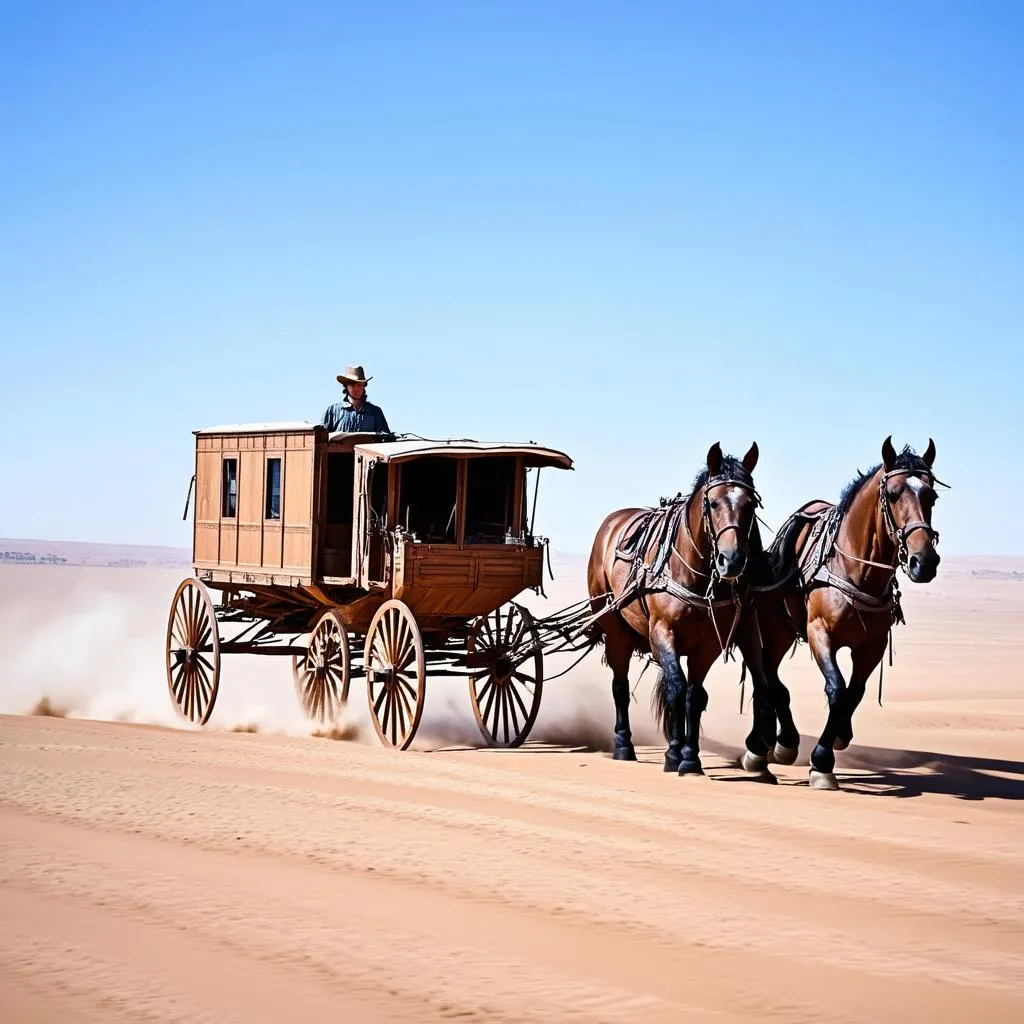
[(368, 418)]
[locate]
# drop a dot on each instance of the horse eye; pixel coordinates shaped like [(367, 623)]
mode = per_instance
[(893, 495), (714, 504)]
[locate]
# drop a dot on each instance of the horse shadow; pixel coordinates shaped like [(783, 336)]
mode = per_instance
[(910, 773), (886, 771)]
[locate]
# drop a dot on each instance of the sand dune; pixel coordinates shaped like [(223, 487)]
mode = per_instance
[(161, 874)]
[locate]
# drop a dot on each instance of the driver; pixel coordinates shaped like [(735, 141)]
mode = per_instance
[(354, 414)]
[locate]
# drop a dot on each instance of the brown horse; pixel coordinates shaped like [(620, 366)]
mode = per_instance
[(675, 580), (835, 586)]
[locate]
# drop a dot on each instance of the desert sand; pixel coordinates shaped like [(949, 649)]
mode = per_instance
[(253, 872)]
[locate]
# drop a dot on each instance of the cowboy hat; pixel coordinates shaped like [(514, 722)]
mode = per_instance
[(353, 375)]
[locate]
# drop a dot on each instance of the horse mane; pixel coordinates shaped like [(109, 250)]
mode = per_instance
[(731, 469), (907, 459)]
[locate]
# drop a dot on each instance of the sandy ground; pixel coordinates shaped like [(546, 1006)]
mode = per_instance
[(154, 873)]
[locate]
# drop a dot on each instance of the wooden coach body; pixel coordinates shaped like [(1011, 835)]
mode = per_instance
[(349, 521)]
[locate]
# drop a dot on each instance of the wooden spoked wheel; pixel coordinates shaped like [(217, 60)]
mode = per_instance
[(506, 691), (395, 674), (193, 652), (322, 673)]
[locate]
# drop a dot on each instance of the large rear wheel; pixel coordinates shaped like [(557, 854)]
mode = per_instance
[(193, 652), (395, 674)]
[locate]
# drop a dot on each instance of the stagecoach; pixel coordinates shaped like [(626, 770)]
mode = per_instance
[(366, 557)]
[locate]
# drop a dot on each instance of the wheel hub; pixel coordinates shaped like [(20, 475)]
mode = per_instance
[(503, 668)]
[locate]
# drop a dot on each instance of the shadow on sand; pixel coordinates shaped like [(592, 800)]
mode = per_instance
[(885, 771), (880, 771)]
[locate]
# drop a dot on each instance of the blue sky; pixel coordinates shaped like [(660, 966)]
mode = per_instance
[(624, 229)]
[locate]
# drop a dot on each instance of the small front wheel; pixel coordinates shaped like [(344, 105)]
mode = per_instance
[(395, 674), (506, 690), (322, 673)]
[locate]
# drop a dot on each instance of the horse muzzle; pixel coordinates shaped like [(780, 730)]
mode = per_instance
[(730, 564), (923, 565)]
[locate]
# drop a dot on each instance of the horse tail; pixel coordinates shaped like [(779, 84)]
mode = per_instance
[(659, 704)]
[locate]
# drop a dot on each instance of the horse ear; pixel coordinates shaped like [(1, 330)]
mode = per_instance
[(888, 454), (929, 455), (750, 459), (715, 458)]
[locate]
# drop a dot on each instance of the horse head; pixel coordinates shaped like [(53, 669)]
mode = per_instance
[(907, 497), (729, 503)]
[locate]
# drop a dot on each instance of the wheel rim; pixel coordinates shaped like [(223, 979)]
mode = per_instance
[(322, 674), (506, 696), (395, 683), (193, 653)]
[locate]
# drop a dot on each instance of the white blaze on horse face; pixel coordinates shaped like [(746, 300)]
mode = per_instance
[(735, 495), (915, 483)]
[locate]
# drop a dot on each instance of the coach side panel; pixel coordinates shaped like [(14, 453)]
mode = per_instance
[(255, 509)]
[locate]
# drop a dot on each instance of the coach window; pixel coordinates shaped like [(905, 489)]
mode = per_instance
[(273, 500), (490, 489), (427, 499), (229, 489)]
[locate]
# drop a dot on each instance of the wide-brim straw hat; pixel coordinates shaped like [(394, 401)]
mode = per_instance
[(353, 375)]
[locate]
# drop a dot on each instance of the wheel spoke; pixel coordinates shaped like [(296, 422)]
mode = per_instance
[(389, 715), (202, 690), (487, 713), (188, 693), (400, 708), (519, 700), (406, 687), (389, 636), (504, 710), (192, 611), (207, 632), (403, 644), (179, 630), (179, 682), (484, 689)]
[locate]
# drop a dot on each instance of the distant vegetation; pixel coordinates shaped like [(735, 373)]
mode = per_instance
[(27, 556)]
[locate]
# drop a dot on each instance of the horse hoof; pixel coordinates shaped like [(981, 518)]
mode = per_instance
[(671, 765), (784, 755), (691, 768), (823, 780), (753, 763), (624, 754), (840, 743)]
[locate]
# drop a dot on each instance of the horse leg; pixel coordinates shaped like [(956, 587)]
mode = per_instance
[(696, 700), (618, 650), (787, 742), (762, 732), (865, 660), (672, 686), (823, 759), (779, 634)]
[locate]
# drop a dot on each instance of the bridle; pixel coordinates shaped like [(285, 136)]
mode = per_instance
[(899, 534), (708, 527)]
